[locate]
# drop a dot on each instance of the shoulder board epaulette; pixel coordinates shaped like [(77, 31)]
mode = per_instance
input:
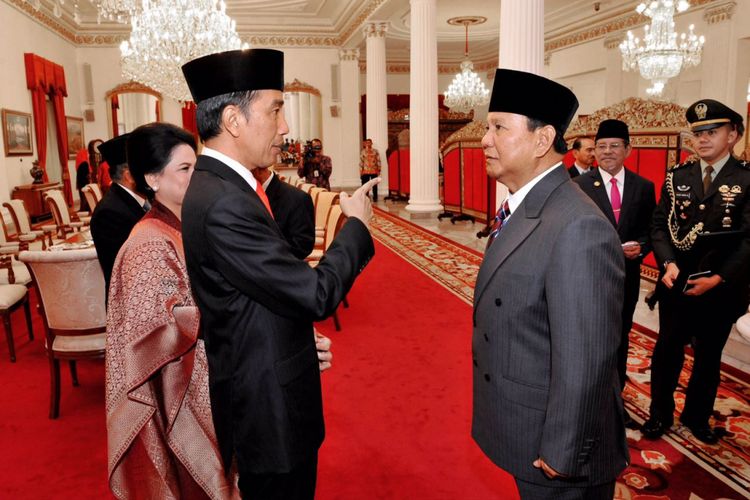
[(679, 166)]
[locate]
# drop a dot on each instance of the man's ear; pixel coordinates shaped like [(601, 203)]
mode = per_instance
[(545, 139), (231, 117)]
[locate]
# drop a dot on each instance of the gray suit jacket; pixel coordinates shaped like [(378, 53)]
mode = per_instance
[(547, 307)]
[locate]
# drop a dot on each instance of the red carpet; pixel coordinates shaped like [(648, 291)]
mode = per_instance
[(398, 399)]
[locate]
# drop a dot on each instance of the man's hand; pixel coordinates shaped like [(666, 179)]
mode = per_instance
[(631, 249), (325, 356), (670, 275), (358, 205), (551, 473), (702, 285)]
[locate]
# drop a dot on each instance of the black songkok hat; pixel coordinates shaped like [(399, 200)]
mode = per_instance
[(114, 151), (534, 96), (234, 71), (707, 114), (613, 129)]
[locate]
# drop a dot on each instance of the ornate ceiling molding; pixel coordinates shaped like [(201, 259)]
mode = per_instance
[(719, 13), (613, 41), (44, 19), (360, 20), (293, 41), (132, 87)]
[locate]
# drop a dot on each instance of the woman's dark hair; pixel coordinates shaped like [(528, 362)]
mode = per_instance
[(92, 151), (150, 148)]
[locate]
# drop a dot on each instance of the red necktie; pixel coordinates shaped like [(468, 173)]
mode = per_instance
[(262, 195), (615, 199)]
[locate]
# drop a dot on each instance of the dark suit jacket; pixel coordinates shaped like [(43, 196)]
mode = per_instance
[(573, 171), (111, 223), (729, 259), (547, 312), (258, 302), (638, 203), (295, 215)]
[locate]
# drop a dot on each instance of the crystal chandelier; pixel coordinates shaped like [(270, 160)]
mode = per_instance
[(116, 10), (661, 57), (466, 91), (167, 34)]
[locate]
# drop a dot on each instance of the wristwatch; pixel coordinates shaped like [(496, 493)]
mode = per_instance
[(666, 263)]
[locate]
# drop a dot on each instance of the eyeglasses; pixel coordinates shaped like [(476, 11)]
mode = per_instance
[(614, 146)]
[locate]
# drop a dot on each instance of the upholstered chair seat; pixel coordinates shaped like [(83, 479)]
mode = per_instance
[(11, 298)]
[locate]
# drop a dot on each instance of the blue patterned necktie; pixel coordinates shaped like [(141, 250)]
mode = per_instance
[(500, 217)]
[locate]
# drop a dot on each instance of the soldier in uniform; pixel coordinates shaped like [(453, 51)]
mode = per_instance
[(701, 238)]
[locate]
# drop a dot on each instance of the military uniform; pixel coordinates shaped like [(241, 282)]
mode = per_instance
[(700, 232)]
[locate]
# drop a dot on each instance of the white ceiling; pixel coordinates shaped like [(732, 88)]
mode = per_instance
[(339, 22)]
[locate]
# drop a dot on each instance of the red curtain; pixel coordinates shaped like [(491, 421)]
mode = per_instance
[(115, 107), (36, 82), (45, 78), (189, 121)]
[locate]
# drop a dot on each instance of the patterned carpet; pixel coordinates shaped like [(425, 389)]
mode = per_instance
[(673, 468)]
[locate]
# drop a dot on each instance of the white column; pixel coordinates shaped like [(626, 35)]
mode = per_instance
[(521, 45), (351, 139), (377, 101), (424, 194)]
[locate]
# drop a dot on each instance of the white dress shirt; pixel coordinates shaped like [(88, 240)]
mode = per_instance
[(620, 178), (515, 199), (233, 164), (717, 167)]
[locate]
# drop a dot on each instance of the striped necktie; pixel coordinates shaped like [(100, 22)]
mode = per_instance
[(502, 214)]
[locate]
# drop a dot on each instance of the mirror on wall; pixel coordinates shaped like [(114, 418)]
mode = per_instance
[(130, 105), (302, 107)]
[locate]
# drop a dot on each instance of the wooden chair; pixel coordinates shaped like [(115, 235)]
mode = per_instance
[(306, 187), (13, 272), (70, 284), (96, 190), (22, 224), (60, 213), (11, 298), (323, 203), (334, 222), (91, 197)]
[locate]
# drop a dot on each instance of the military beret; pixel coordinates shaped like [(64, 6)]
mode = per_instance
[(234, 71), (114, 151), (533, 96), (707, 114)]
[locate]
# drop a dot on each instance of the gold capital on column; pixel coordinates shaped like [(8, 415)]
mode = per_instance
[(376, 29), (349, 54)]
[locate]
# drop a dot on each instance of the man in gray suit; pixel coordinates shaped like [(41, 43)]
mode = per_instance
[(547, 308)]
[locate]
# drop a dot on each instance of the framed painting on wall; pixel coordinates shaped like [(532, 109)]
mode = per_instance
[(75, 135), (17, 134)]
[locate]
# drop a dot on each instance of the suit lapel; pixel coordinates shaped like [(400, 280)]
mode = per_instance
[(127, 199), (521, 224), (629, 205), (218, 168)]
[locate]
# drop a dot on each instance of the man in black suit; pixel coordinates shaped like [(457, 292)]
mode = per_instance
[(120, 209), (709, 196), (257, 299), (293, 210), (547, 305), (583, 156), (628, 201)]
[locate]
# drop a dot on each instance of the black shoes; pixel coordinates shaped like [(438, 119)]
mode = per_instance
[(629, 422), (702, 431), (654, 428)]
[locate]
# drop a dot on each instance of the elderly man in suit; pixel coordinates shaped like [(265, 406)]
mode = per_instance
[(257, 299), (547, 308), (120, 209), (628, 201)]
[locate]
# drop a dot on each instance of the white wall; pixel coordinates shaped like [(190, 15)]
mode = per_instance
[(19, 34)]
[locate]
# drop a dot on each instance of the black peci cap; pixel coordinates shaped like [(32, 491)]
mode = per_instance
[(114, 151), (534, 96), (234, 71), (613, 129), (707, 114)]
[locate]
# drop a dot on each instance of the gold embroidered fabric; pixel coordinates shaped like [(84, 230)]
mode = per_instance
[(161, 440)]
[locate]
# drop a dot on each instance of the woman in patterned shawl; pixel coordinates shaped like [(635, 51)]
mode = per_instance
[(161, 439)]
